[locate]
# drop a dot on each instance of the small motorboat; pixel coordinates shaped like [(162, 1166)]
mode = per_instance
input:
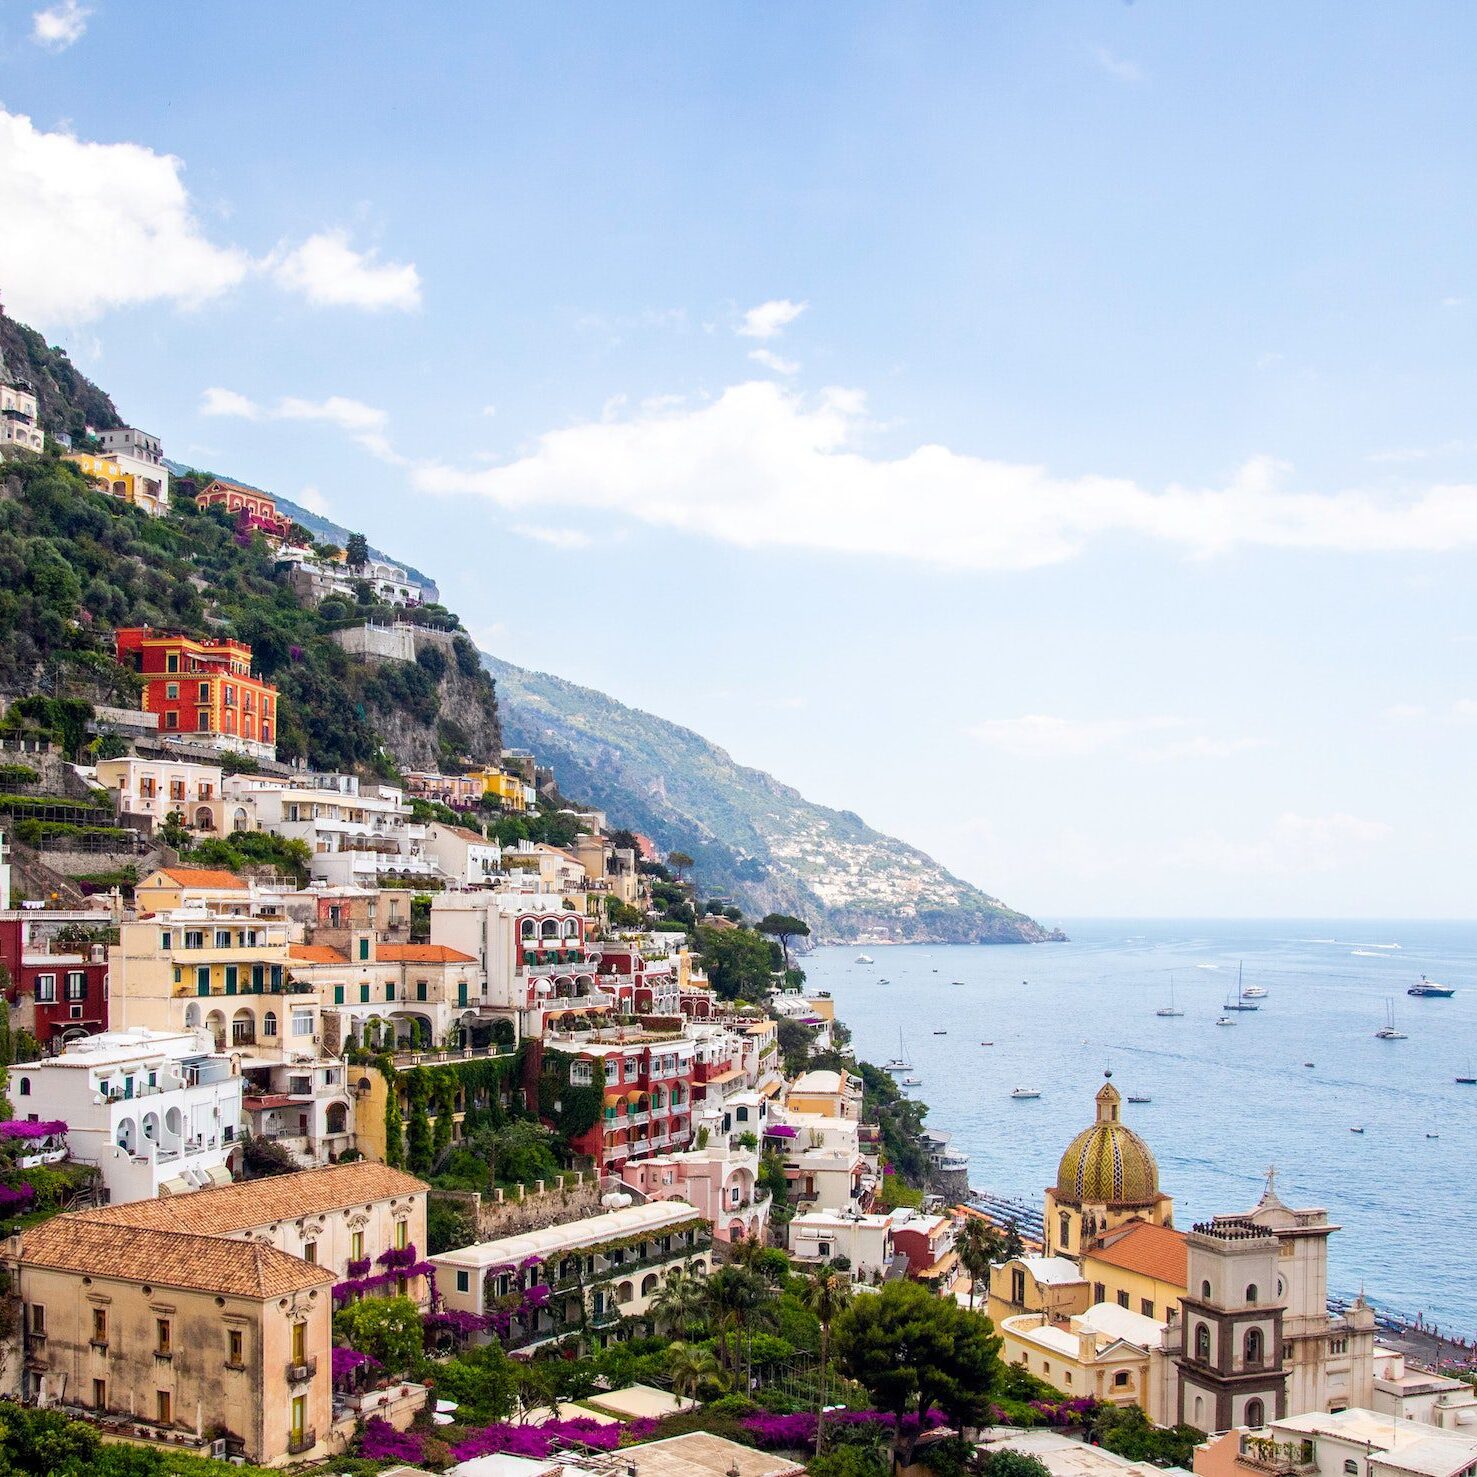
[(956, 982), (912, 1082), (1023, 1094), (1307, 1064), (1134, 1097), (1433, 1135), (865, 959), (1225, 1020), (1356, 1128), (991, 1043), (884, 981), (940, 1033)]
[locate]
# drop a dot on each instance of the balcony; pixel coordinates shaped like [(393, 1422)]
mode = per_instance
[(300, 1441), (297, 1373)]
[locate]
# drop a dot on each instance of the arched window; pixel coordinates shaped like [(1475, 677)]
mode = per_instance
[(269, 1023), (25, 1087), (1205, 1291), (1202, 1342), (1351, 1467), (1251, 1292), (1253, 1346), (528, 928), (1200, 1411), (1064, 1225), (1256, 1413)]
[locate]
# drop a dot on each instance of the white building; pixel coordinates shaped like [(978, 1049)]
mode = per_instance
[(864, 1240), (157, 1111), (19, 423), (155, 787), (1405, 1392), (465, 855), (1357, 1442)]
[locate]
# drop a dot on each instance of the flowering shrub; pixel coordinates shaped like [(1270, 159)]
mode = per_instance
[(353, 1287), (1064, 1412), (539, 1441), (799, 1429), (381, 1442), (360, 1268), (13, 1199), (346, 1361), (397, 1256), (21, 1129), (451, 1321)]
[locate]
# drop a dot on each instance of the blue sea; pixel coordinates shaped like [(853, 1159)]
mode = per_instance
[(1227, 1101)]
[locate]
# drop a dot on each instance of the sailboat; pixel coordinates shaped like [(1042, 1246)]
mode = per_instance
[(1170, 1009), (1240, 1002), (1387, 1032), (1470, 1079), (900, 1062)]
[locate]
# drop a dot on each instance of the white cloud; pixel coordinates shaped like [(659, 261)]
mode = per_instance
[(1293, 845), (770, 360), (59, 26), (88, 227), (489, 410), (364, 423), (327, 271), (1118, 67), (1405, 712), (1039, 736), (763, 465), (555, 538), (313, 500), (1202, 746), (770, 319)]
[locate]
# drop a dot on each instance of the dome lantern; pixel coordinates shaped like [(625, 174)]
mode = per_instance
[(1108, 1164)]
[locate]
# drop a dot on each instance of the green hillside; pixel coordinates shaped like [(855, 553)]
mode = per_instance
[(753, 839)]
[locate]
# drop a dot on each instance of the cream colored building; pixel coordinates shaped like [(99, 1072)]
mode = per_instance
[(185, 1334), (157, 787)]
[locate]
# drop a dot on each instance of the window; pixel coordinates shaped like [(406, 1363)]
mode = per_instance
[(163, 1408), (581, 1074), (45, 989), (1338, 1346), (1120, 1378), (99, 1325), (302, 1023), (171, 719), (100, 1394), (364, 994), (402, 1235), (223, 938), (25, 1087), (420, 990), (823, 1248), (1256, 1413), (1122, 1298), (38, 1320), (1253, 1346), (164, 939), (202, 979), (356, 1246), (235, 1347), (194, 938), (76, 985), (364, 948), (269, 1023), (162, 1336), (1351, 1467), (1202, 1343), (1064, 1229), (463, 1282), (1017, 1285), (1146, 1307), (390, 991), (205, 692), (1251, 1292), (310, 1252), (299, 1343)]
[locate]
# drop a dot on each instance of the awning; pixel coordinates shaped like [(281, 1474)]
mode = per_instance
[(176, 1186), (220, 1175), (773, 1089), (944, 1264), (731, 1075)]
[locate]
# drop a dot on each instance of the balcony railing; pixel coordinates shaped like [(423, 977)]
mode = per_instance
[(301, 1441), (297, 1373)]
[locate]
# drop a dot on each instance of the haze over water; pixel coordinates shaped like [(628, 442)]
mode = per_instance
[(1227, 1101)]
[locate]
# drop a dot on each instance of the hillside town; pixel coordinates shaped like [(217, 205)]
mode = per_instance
[(422, 1117)]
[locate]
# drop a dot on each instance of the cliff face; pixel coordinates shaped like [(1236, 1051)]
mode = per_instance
[(752, 839), (67, 400)]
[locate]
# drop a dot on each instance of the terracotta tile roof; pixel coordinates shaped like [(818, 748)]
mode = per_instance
[(283, 1197), (1151, 1251), (204, 877), (422, 954), (316, 954), (85, 1243), (254, 1102), (465, 833)]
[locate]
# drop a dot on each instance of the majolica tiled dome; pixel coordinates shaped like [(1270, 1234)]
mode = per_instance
[(1107, 1164)]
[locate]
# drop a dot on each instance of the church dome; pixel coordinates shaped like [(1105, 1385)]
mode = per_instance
[(1107, 1164)]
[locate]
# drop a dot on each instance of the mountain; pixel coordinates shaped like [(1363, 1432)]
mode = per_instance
[(753, 840)]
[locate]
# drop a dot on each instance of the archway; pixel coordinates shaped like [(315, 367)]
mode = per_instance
[(127, 1135), (243, 1028)]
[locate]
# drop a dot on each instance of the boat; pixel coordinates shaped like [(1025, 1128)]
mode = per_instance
[(1433, 1135), (940, 1033), (1239, 1003), (912, 1082), (1307, 1064), (1138, 1097), (1387, 1032), (1021, 1094), (884, 981), (991, 1043), (1356, 1128), (956, 982), (1225, 1020), (1255, 992), (864, 959), (1171, 1009), (1430, 990), (1470, 1079), (900, 1062)]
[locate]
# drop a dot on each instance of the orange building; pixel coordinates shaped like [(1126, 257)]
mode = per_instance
[(203, 689), (255, 509)]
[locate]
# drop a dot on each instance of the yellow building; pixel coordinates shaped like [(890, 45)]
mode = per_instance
[(137, 483), (827, 1094), (1104, 1353), (1140, 1267), (1106, 1178), (1037, 1284), (506, 788)]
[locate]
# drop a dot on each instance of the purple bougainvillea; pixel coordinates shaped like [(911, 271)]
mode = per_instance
[(398, 1256), (346, 1361), (13, 1199), (24, 1129), (381, 1442), (799, 1429)]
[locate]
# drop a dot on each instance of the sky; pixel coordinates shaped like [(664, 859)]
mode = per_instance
[(1046, 430)]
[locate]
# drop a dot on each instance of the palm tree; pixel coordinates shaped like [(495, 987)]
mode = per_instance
[(826, 1293), (979, 1245), (678, 1308), (690, 1365), (735, 1294)]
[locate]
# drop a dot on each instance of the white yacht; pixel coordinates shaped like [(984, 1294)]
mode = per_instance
[(1171, 1009), (1255, 992), (1021, 1094), (1387, 1032), (865, 959)]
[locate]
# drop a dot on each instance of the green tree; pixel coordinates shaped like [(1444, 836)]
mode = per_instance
[(914, 1352), (784, 927), (979, 1246), (740, 963), (1012, 1246), (826, 1293), (173, 832), (483, 1381), (1007, 1463), (680, 1306), (737, 1296), (387, 1329), (691, 1367), (679, 861), (356, 551)]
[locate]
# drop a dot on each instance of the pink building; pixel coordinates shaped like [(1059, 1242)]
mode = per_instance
[(718, 1179)]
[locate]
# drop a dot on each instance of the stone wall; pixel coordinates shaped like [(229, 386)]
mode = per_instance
[(530, 1208), (395, 643)]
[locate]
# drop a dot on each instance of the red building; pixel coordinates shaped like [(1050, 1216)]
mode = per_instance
[(648, 1096), (252, 508), (58, 965), (202, 689)]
